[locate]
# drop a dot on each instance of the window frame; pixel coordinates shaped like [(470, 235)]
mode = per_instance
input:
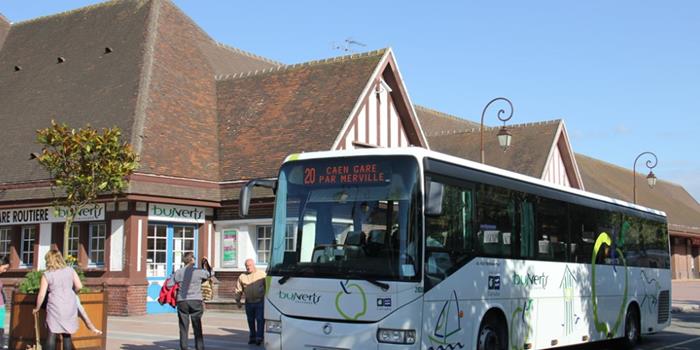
[(6, 241), (74, 228), (93, 237), (267, 251), (23, 250)]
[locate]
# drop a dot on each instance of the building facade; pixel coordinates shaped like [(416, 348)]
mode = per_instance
[(204, 118)]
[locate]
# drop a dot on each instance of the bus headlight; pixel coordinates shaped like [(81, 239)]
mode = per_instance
[(396, 336), (273, 326)]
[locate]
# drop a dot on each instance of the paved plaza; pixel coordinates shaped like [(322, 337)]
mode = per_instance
[(222, 330)]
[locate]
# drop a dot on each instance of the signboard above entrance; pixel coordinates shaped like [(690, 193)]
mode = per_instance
[(43, 215), (175, 213)]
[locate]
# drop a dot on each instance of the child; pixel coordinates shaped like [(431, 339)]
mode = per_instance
[(83, 314), (4, 265)]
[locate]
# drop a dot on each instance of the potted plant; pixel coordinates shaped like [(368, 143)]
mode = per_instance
[(24, 300)]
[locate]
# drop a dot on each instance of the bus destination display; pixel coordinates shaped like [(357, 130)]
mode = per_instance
[(346, 174)]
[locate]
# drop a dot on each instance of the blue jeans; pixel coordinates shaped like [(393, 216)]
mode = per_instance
[(256, 322)]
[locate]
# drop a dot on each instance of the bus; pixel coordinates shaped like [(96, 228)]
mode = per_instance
[(414, 249)]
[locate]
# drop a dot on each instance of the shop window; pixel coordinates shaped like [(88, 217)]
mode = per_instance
[(98, 234), (156, 250), (74, 240), (264, 236), (5, 241), (183, 242), (27, 248)]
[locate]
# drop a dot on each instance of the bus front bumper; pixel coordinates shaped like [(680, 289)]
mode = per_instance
[(325, 335)]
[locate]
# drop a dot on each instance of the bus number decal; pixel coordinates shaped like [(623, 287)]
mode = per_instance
[(309, 176)]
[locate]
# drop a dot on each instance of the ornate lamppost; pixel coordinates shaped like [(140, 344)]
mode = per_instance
[(651, 178), (504, 136)]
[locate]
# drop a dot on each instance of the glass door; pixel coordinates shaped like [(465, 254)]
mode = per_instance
[(166, 244), (183, 242)]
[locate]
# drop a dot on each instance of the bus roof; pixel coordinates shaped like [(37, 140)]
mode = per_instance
[(421, 153)]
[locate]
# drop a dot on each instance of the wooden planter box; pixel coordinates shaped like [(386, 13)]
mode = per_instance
[(22, 322)]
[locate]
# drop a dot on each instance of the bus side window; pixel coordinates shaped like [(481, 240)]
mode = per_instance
[(496, 220), (551, 229), (583, 234), (448, 237)]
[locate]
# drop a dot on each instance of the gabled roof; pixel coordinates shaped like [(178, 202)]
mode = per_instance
[(436, 122), (682, 209), (296, 108), (527, 154)]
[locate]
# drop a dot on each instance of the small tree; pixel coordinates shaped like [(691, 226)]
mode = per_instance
[(84, 163)]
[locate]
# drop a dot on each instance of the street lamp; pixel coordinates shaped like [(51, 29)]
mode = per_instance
[(651, 178), (504, 136)]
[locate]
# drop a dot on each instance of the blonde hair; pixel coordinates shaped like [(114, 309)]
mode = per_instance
[(54, 260)]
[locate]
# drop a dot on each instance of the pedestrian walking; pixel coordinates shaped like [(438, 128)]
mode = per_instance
[(61, 309), (251, 284), (4, 266), (189, 299)]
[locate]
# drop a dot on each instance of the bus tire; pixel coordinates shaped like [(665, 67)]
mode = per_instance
[(492, 333), (632, 328)]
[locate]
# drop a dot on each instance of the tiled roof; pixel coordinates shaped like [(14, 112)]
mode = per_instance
[(157, 84), (436, 122), (85, 88), (614, 181), (4, 29), (266, 115), (527, 154), (226, 60)]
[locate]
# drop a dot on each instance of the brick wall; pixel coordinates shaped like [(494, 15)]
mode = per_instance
[(126, 300), (226, 283)]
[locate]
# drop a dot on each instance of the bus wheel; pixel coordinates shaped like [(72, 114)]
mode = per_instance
[(632, 330), (492, 334)]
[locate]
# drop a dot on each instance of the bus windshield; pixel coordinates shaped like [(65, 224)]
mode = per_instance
[(351, 218)]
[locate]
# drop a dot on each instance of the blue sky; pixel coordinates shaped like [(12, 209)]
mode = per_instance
[(624, 75)]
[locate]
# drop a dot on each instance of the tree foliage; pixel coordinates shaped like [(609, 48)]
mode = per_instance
[(84, 163)]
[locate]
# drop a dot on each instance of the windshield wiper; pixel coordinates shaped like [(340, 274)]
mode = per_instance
[(382, 285)]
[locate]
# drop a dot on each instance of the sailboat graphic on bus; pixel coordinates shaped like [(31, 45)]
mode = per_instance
[(448, 323)]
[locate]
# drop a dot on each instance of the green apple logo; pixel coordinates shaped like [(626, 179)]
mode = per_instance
[(352, 302)]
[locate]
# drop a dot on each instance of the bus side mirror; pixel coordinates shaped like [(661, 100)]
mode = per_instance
[(433, 201), (247, 192)]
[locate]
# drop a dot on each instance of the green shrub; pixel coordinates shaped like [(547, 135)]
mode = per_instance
[(31, 282)]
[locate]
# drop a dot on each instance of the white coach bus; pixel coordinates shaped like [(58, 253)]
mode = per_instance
[(413, 249)]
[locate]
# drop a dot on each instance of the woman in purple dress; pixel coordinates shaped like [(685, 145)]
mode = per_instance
[(61, 308)]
